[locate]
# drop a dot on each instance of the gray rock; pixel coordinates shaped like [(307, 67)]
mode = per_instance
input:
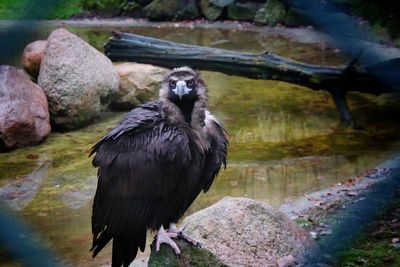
[(243, 10), (138, 83), (272, 13), (77, 79), (245, 232), (171, 10), (24, 115)]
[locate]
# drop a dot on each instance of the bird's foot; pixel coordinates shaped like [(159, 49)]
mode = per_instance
[(180, 234), (166, 237)]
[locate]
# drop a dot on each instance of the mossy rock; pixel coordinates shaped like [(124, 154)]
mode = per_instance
[(210, 10), (190, 256), (272, 13), (243, 11), (171, 10)]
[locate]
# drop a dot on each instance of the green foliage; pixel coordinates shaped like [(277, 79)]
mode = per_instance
[(34, 9)]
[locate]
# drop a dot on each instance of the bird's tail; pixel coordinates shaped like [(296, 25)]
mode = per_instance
[(125, 249)]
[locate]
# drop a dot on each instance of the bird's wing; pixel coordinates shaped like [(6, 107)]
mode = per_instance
[(216, 156), (138, 164)]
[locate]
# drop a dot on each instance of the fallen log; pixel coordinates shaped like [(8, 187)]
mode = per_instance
[(337, 80)]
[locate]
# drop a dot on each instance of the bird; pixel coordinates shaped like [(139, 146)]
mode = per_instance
[(153, 165)]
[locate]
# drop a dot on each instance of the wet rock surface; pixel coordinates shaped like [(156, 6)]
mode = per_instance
[(138, 83), (32, 57), (77, 79), (245, 232), (24, 116)]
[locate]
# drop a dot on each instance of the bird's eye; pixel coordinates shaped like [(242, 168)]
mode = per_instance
[(190, 83), (172, 84)]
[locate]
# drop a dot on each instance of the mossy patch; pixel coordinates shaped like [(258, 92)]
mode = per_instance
[(190, 256)]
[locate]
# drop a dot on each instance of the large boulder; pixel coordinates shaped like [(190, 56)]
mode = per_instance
[(24, 115), (78, 80), (171, 10), (138, 83), (243, 232), (272, 13), (32, 57), (243, 10)]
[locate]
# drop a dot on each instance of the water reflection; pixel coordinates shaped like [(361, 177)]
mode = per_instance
[(284, 142)]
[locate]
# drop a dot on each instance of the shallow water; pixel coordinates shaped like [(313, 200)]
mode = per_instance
[(284, 141)]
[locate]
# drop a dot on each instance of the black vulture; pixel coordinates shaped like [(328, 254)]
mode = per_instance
[(153, 165)]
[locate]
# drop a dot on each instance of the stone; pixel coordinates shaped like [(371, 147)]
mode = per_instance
[(24, 115), (243, 10), (32, 57), (138, 83), (210, 10), (78, 80), (246, 232), (174, 10), (272, 13)]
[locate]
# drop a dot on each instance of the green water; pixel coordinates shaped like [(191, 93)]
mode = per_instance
[(284, 141)]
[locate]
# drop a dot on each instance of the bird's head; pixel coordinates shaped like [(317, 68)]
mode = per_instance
[(182, 85)]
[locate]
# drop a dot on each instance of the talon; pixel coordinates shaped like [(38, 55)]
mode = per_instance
[(180, 234), (165, 238)]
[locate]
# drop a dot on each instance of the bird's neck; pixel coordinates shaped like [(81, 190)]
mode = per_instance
[(186, 108), (191, 112)]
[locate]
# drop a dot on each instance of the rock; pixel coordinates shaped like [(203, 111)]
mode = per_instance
[(243, 10), (245, 232), (32, 57), (272, 13), (24, 115), (78, 80), (222, 3), (138, 83), (210, 10), (171, 10)]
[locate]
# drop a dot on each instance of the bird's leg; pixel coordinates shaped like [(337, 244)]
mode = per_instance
[(165, 237), (172, 229)]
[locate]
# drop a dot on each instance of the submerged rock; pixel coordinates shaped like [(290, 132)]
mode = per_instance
[(32, 57), (243, 232), (24, 115), (172, 10), (77, 79), (138, 83), (272, 13)]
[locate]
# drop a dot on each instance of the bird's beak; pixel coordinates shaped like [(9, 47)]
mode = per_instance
[(181, 89)]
